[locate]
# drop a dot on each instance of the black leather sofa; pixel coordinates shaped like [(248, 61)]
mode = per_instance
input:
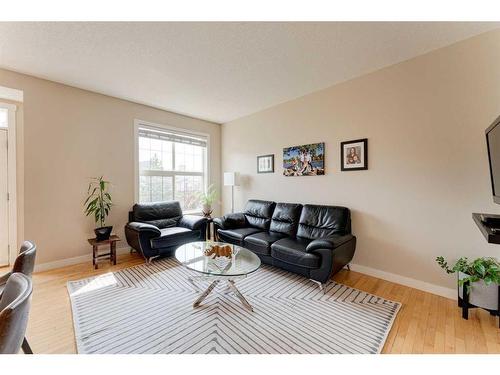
[(310, 240), (158, 229)]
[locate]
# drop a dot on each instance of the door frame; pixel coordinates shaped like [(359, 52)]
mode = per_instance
[(12, 178)]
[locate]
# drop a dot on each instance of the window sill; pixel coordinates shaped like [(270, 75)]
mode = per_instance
[(193, 212)]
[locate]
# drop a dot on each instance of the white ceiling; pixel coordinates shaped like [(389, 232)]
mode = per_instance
[(217, 71)]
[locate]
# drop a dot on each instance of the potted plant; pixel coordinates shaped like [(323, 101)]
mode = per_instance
[(207, 199), (98, 204), (481, 277)]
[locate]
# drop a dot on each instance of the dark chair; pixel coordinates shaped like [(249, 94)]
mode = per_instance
[(25, 263), (158, 229), (14, 311), (311, 240)]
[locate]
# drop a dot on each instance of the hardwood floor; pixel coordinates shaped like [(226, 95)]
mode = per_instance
[(426, 323)]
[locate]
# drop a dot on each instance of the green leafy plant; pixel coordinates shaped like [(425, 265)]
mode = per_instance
[(209, 196), (98, 203), (487, 269)]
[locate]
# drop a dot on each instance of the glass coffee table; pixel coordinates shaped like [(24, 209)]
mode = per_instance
[(214, 270)]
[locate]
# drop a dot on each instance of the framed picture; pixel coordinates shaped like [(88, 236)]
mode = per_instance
[(265, 164), (354, 155), (305, 160)]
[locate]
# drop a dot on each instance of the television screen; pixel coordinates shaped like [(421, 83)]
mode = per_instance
[(493, 142)]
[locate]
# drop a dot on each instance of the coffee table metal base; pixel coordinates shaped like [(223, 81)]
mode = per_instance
[(230, 280)]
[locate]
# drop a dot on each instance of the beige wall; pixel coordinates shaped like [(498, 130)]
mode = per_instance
[(70, 135), (425, 121)]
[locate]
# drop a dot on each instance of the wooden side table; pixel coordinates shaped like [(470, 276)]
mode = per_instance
[(112, 249)]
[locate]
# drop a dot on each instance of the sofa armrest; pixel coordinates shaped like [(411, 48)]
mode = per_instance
[(4, 278), (139, 236), (143, 228), (231, 221), (192, 222), (330, 242)]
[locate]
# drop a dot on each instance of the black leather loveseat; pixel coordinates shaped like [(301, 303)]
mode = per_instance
[(310, 240), (158, 229)]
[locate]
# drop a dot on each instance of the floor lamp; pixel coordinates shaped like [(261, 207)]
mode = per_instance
[(231, 179)]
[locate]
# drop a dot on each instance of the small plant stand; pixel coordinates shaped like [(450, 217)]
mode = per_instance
[(466, 305), (112, 249), (210, 222)]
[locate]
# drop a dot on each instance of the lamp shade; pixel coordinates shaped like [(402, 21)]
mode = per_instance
[(231, 179)]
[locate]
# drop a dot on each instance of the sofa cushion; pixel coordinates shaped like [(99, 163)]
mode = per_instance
[(286, 218), (148, 212), (161, 223), (231, 221), (293, 251), (258, 213), (174, 236), (322, 221), (193, 222), (260, 243), (236, 234)]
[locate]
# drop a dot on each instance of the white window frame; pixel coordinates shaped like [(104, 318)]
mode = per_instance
[(12, 178), (141, 123)]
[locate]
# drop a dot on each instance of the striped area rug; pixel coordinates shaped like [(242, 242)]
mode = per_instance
[(148, 309)]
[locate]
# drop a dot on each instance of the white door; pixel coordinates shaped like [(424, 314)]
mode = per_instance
[(4, 204)]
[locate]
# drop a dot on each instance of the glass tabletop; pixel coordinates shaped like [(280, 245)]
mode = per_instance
[(242, 262)]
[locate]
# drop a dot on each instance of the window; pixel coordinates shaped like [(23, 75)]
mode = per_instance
[(172, 166), (3, 117)]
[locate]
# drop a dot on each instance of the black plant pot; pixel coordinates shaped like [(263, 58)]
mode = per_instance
[(103, 233)]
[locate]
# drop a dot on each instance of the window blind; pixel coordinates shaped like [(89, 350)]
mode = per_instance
[(176, 137)]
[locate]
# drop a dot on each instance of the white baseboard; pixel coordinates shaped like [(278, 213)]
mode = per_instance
[(406, 281), (392, 277), (75, 260)]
